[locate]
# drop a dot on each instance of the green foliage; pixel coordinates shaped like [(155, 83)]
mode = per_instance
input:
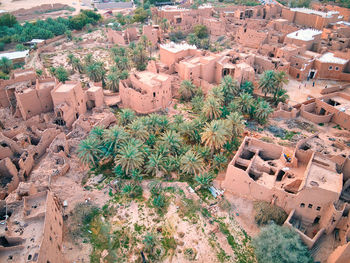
[(141, 15), (20, 47), (8, 20), (2, 46), (132, 190), (4, 75), (177, 36), (200, 31), (43, 29), (280, 244), (204, 180), (39, 72), (60, 73), (187, 90), (265, 212), (6, 65)]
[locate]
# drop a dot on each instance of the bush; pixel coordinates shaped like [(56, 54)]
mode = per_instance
[(8, 20), (2, 46), (265, 212), (280, 245)]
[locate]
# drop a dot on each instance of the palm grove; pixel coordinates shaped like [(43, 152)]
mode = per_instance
[(195, 148)]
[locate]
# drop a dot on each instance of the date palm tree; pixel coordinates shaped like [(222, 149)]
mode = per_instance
[(262, 111), (187, 90), (113, 81), (217, 93), (244, 103), (235, 124), (204, 179), (138, 130), (173, 140), (113, 138), (130, 157), (267, 82), (126, 116), (215, 135), (89, 151), (191, 163), (156, 164), (211, 108), (230, 89)]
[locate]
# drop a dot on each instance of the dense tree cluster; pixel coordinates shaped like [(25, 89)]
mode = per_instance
[(11, 31), (280, 245), (271, 82)]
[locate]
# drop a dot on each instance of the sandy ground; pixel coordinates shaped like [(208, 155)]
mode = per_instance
[(12, 5), (299, 91)]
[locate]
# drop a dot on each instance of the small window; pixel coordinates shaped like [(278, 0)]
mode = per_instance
[(318, 208), (310, 206), (336, 68), (330, 68), (29, 257), (50, 238), (154, 94), (302, 205)]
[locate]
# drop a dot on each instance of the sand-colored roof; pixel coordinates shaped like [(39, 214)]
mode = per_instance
[(65, 87), (305, 34), (174, 47), (314, 12), (330, 58)]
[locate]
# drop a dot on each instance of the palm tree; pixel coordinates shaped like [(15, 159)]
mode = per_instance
[(113, 138), (130, 157), (235, 124), (138, 130), (267, 82), (219, 162), (204, 180), (230, 89), (211, 108), (215, 135), (173, 140), (217, 93), (262, 111), (247, 87), (156, 164), (197, 103), (281, 96), (244, 103), (113, 81), (164, 24), (89, 151), (191, 163), (126, 116), (97, 133), (96, 71), (77, 66), (157, 123), (187, 90), (6, 65), (70, 57)]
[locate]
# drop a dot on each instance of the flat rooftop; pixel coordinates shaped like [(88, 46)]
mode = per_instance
[(330, 58), (322, 174), (174, 47), (305, 34), (65, 87), (314, 12)]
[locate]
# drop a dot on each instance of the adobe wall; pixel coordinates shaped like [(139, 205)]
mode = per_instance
[(47, 137), (145, 99), (343, 11), (151, 34), (29, 103), (239, 182), (306, 111), (329, 70), (251, 38), (7, 168), (115, 37), (340, 255), (51, 244), (96, 95)]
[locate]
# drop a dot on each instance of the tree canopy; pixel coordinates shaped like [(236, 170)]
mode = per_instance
[(279, 244)]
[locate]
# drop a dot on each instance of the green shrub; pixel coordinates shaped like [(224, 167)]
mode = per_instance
[(265, 212)]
